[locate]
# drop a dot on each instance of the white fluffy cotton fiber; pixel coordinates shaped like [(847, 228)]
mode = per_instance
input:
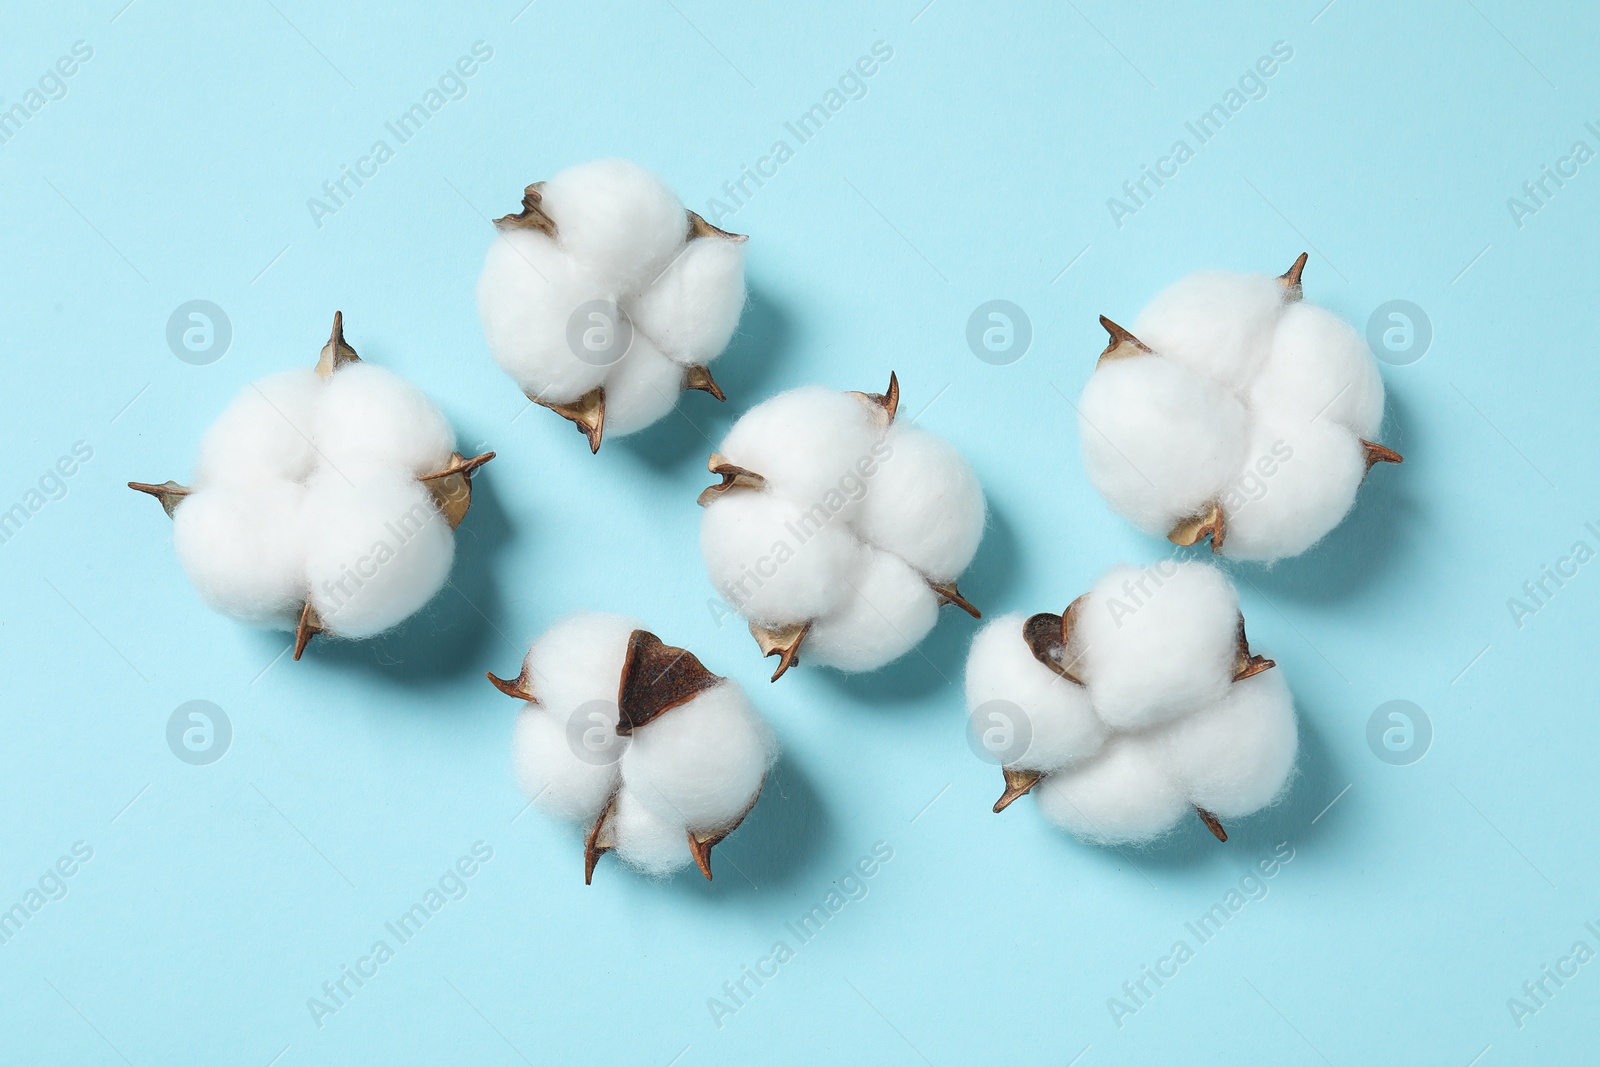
[(1239, 412), (308, 490), (662, 793), (1163, 713), (845, 529), (605, 297)]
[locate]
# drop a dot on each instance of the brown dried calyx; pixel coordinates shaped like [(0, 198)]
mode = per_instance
[(450, 486), (1210, 520), (784, 641), (1051, 639), (588, 412), (656, 677)]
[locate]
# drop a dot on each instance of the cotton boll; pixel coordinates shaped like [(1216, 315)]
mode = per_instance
[(1158, 643), (617, 219), (811, 444), (887, 608), (1315, 469), (1320, 368), (773, 562), (241, 547), (1216, 323), (655, 845), (1234, 758), (368, 414), (640, 389), (1061, 721), (527, 296), (692, 310), (1159, 441), (266, 432), (1123, 795), (701, 764), (552, 775), (923, 503), (579, 660), (377, 548)]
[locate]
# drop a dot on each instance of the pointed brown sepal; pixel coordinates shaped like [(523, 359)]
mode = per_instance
[(337, 352), (1212, 824), (700, 378), (452, 486), (1290, 280), (308, 627), (170, 493), (949, 594), (520, 687), (733, 477), (1049, 637), (783, 642), (1018, 783), (887, 403), (1377, 454), (531, 217), (1122, 344), (587, 413), (701, 844), (1196, 528), (699, 227), (657, 677), (1246, 665), (599, 841)]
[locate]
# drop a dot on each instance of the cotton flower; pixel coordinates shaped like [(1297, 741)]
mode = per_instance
[(659, 758), (1139, 703), (838, 527), (1234, 410), (323, 501), (604, 297)]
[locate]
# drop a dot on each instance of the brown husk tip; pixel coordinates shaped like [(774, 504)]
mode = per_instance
[(531, 217), (1212, 824), (701, 843), (887, 402), (452, 486), (1246, 665), (1377, 454), (1196, 528), (1122, 344), (733, 477), (1290, 280), (1018, 783), (307, 628), (699, 227), (698, 377), (169, 493), (783, 642), (949, 594), (599, 841), (337, 352), (520, 687), (587, 413)]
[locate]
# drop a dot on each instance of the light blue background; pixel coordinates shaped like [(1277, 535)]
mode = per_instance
[(977, 166)]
